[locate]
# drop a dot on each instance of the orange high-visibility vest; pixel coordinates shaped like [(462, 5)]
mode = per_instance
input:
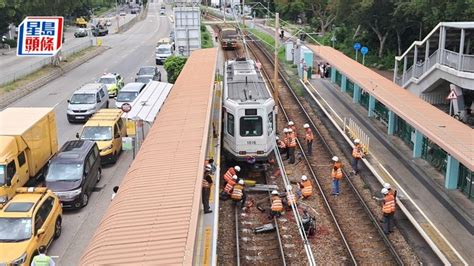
[(277, 205), (337, 170), (292, 140), (307, 189), (309, 135), (356, 152), (286, 139), (389, 204), (229, 174), (237, 193), (290, 198), (228, 188)]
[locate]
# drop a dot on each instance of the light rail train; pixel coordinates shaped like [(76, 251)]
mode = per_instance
[(249, 112)]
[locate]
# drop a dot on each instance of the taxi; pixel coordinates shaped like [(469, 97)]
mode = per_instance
[(113, 81), (32, 218)]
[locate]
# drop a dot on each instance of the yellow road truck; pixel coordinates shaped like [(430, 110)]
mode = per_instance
[(28, 139)]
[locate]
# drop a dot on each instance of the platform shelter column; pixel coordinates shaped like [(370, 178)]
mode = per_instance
[(418, 144), (391, 122), (371, 105), (333, 74), (343, 83), (452, 173), (356, 96)]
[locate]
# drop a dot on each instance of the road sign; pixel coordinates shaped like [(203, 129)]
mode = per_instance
[(126, 107), (364, 50), (452, 95), (357, 46), (40, 36)]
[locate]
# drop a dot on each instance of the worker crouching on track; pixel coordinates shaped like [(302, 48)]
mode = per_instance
[(309, 137), (306, 187), (290, 197), (336, 174), (277, 204), (357, 155), (206, 190), (228, 187), (238, 194), (291, 146), (388, 210), (285, 141)]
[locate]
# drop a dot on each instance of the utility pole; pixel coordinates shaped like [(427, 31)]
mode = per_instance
[(243, 12), (275, 71)]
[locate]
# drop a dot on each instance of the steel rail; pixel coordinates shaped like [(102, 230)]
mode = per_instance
[(373, 219)]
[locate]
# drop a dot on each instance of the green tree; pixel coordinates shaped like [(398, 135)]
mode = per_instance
[(173, 66)]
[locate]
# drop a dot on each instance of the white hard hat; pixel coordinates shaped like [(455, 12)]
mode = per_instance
[(384, 191), (306, 126), (237, 168), (304, 178), (386, 185), (234, 177), (208, 167), (290, 130), (335, 158), (241, 182), (357, 141), (285, 130), (291, 123), (274, 192), (289, 187), (277, 138)]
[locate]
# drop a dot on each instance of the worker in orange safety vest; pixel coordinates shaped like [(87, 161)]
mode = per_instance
[(291, 198), (306, 187), (388, 211), (357, 155), (291, 125), (336, 174), (291, 146), (309, 137), (277, 204), (238, 194), (391, 190), (228, 176), (281, 145)]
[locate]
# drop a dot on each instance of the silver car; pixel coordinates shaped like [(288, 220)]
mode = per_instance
[(87, 100)]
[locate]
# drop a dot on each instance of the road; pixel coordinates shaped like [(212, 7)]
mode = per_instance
[(12, 65), (128, 52)]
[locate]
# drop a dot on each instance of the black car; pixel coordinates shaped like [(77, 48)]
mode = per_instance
[(148, 72), (99, 30), (73, 173)]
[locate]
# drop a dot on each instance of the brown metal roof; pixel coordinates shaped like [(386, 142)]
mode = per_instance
[(453, 136), (153, 218)]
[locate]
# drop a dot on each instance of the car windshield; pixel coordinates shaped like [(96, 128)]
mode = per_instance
[(107, 80), (64, 172), (143, 79), (146, 71), (97, 133), (15, 229), (126, 96), (163, 51), (83, 98), (2, 174)]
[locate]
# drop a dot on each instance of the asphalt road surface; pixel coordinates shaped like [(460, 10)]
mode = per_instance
[(128, 52)]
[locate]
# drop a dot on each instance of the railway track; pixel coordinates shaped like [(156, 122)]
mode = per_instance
[(358, 229)]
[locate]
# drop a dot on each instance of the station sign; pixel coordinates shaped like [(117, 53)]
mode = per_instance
[(40, 36)]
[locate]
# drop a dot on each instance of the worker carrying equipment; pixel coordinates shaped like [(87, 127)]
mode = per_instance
[(357, 155), (232, 171), (277, 205), (42, 259), (238, 192), (306, 187)]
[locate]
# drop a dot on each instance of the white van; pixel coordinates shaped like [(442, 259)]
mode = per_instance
[(163, 51), (128, 93), (87, 100)]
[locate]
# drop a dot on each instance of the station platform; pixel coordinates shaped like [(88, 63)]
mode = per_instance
[(449, 210)]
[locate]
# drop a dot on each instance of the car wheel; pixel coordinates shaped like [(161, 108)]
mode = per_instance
[(99, 175), (57, 228), (85, 199), (107, 104)]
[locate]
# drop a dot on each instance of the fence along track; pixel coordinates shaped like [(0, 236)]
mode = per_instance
[(352, 241)]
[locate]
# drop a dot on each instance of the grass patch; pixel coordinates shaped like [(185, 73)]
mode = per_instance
[(102, 10), (206, 39), (44, 71)]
